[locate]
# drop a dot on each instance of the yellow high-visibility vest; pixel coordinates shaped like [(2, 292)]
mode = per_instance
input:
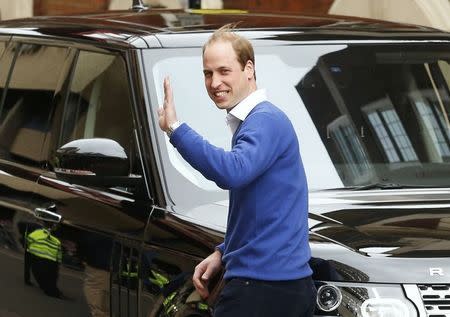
[(43, 245)]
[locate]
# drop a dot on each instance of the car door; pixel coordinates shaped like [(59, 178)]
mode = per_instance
[(32, 73), (101, 227), (21, 124)]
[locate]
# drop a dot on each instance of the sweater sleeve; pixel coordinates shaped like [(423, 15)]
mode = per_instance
[(221, 247), (257, 147)]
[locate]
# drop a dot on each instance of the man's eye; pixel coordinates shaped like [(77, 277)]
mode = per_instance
[(225, 71)]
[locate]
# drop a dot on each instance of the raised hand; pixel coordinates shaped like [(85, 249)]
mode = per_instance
[(167, 114)]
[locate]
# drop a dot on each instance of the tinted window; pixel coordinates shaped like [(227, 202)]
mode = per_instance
[(363, 114), (387, 113), (28, 100), (99, 104), (279, 69)]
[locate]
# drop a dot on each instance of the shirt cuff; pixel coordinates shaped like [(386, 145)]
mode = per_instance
[(178, 133)]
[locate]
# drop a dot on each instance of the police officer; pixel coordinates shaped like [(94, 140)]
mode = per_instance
[(43, 254)]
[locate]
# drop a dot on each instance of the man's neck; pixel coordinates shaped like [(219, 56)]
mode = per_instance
[(252, 89)]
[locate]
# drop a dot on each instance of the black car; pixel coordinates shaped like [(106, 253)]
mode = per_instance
[(88, 180)]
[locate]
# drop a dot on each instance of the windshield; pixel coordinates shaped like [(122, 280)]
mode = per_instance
[(363, 114), (383, 114)]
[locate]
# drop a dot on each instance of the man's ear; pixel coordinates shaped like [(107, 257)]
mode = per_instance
[(249, 69)]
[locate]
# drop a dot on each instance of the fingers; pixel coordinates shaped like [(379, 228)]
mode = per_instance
[(200, 283), (202, 290), (161, 109), (168, 96), (208, 273), (167, 114)]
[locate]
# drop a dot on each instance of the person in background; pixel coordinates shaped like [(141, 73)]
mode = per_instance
[(43, 254)]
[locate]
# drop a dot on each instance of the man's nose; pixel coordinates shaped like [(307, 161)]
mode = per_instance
[(215, 81)]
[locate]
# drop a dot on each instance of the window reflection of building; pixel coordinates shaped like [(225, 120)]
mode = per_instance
[(434, 127), (397, 106), (351, 149), (390, 132), (28, 100), (384, 138)]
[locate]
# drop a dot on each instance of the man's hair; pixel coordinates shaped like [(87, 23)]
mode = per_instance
[(241, 46)]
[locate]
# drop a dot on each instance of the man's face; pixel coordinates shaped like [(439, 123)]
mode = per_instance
[(225, 80)]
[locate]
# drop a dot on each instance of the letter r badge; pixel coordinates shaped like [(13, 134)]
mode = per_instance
[(436, 271)]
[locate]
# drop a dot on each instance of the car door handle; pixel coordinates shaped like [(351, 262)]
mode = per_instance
[(48, 214)]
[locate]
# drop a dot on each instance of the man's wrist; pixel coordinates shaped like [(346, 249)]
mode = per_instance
[(172, 127)]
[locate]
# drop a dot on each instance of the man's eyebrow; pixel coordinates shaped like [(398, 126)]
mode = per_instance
[(218, 68)]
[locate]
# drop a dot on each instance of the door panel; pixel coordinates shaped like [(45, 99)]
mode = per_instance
[(96, 222), (93, 222), (125, 290), (171, 251), (29, 79)]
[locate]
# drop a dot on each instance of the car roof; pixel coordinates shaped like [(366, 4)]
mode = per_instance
[(174, 28)]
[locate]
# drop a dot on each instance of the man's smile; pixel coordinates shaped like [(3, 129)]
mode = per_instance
[(221, 93)]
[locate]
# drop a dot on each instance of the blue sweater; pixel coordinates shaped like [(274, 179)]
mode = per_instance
[(267, 230)]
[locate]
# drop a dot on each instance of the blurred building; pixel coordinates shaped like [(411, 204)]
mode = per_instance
[(23, 8), (304, 6), (434, 13), (59, 7), (126, 4), (15, 9)]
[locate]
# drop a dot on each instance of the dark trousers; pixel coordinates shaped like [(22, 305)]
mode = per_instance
[(243, 297), (45, 273)]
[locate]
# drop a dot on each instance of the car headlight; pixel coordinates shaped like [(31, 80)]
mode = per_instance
[(363, 300), (329, 297)]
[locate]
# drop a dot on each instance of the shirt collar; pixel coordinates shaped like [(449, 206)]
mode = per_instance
[(243, 108)]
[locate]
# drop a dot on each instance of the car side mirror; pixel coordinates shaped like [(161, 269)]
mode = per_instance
[(94, 162)]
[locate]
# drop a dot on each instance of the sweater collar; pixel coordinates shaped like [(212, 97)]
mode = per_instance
[(243, 108)]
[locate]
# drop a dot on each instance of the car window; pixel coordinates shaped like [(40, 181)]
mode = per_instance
[(98, 104), (387, 113), (363, 114), (28, 100), (195, 108)]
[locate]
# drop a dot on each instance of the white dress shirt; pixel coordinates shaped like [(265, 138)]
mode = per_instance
[(243, 108)]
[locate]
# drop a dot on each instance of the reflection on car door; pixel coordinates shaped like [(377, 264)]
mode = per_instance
[(94, 222), (101, 228), (32, 252)]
